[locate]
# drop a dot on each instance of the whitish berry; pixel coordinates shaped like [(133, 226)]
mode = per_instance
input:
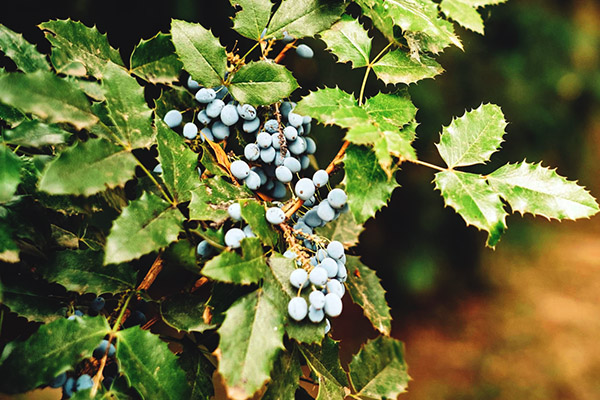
[(173, 118), (298, 278), (320, 178), (317, 299), (275, 215), (233, 237), (235, 212), (304, 51), (333, 305), (305, 188), (297, 308), (240, 169), (318, 276), (315, 315), (335, 250)]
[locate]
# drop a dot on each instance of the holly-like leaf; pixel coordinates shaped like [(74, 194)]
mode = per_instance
[(474, 200), (10, 173), (150, 367), (78, 50), (146, 224), (103, 164), (36, 134), (398, 67), (49, 97), (11, 115), (211, 199), (127, 108), (254, 214), (531, 188), (201, 53), (324, 360), (32, 300), (199, 371), (463, 13), (82, 271), (246, 356), (391, 110), (174, 98), (24, 54), (178, 163), (332, 106), (52, 350), (230, 267), (348, 41), (262, 82), (300, 18), (252, 18), (344, 229), (155, 60), (379, 369), (369, 188), (186, 312), (284, 377), (472, 138), (366, 291)]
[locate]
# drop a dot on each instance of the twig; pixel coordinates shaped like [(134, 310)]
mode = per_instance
[(152, 274), (283, 51)]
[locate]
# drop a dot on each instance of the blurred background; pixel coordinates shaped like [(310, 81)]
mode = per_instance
[(520, 322)]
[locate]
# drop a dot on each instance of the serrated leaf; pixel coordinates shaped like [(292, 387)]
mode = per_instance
[(472, 138), (77, 49), (210, 163), (344, 229), (49, 97), (103, 164), (24, 54), (151, 368), (379, 369), (181, 254), (199, 372), (186, 312), (474, 200), (146, 224), (53, 349), (10, 173), (332, 106), (11, 115), (284, 377), (300, 18), (481, 3), (531, 188), (127, 108), (82, 271), (36, 134), (174, 98), (211, 199), (369, 188), (463, 13), (348, 41), (254, 214), (391, 110), (262, 82), (201, 53), (366, 291), (246, 355), (252, 18), (230, 267), (324, 360), (178, 163), (155, 60), (398, 67), (32, 300), (91, 88)]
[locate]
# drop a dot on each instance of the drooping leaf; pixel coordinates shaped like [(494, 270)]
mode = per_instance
[(300, 18), (348, 41), (10, 173), (155, 60), (463, 13), (150, 367), (32, 300), (254, 214), (92, 89), (252, 18), (24, 54), (53, 349), (36, 134), (186, 312), (37, 93), (146, 224), (324, 360), (82, 271), (379, 369), (472, 138), (284, 377), (201, 53), (345, 229), (366, 291), (474, 200), (77, 49), (262, 82), (181, 254), (531, 188), (211, 199), (174, 98), (230, 267), (199, 372), (398, 67), (246, 355)]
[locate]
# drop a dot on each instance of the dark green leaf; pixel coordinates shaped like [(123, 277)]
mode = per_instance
[(230, 267), (32, 301), (36, 134), (345, 229), (211, 199), (9, 252), (174, 98), (10, 173), (181, 254), (155, 60), (254, 214), (24, 54), (199, 372), (300, 18), (398, 67), (186, 312), (348, 41), (324, 360), (252, 18), (262, 82), (284, 377), (210, 163), (11, 115)]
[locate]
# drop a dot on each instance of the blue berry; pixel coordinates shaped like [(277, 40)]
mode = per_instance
[(279, 191), (287, 38), (233, 237), (190, 130), (304, 51), (101, 350), (221, 91), (272, 126), (84, 382), (312, 219), (69, 387), (173, 118), (250, 126), (333, 305), (220, 131), (58, 381), (263, 139), (315, 315), (305, 188), (192, 84), (252, 152), (213, 109), (240, 169), (98, 304), (275, 215), (304, 162), (205, 95), (320, 178), (286, 108), (235, 212), (252, 181), (311, 146), (318, 276), (297, 308), (204, 249), (283, 174), (229, 115), (298, 278), (337, 198), (203, 118)]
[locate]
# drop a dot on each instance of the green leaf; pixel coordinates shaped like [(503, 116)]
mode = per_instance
[(463, 13), (379, 369), (181, 254), (475, 201), (82, 271), (151, 368), (174, 98), (32, 300), (252, 18), (254, 214), (472, 138), (78, 50), (324, 360), (211, 199), (201, 53), (178, 162), (332, 106), (9, 252), (10, 173), (246, 356), (230, 267), (368, 186), (344, 229), (49, 97), (155, 60), (284, 377), (531, 188), (300, 18), (348, 41), (199, 372), (24, 54), (262, 82), (103, 164), (391, 110), (11, 115), (52, 350), (36, 134), (186, 312), (127, 108), (366, 291), (92, 89), (398, 67), (146, 224)]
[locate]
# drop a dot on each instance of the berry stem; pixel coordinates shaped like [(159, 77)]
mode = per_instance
[(283, 51), (426, 164)]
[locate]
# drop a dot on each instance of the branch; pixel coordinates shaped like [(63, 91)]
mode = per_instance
[(152, 274)]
